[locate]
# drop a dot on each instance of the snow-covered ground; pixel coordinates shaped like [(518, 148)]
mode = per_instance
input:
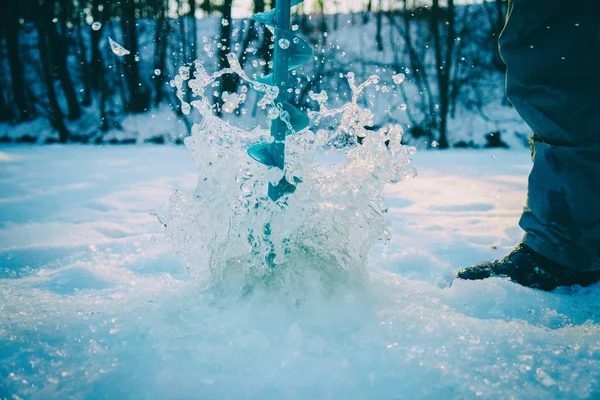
[(95, 304)]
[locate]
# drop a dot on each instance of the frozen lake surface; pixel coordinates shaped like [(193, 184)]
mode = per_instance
[(95, 304)]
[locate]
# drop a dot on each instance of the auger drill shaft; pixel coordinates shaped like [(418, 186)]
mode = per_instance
[(290, 52), (280, 79)]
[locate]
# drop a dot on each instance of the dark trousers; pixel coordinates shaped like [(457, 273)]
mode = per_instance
[(552, 53)]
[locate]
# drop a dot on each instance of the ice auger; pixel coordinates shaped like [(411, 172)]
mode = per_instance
[(290, 52)]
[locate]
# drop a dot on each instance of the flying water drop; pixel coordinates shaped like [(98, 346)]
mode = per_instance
[(284, 43), (273, 113), (96, 26), (231, 102), (398, 78)]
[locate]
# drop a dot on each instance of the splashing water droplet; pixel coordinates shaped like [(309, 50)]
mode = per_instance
[(284, 43), (184, 72), (374, 79), (117, 48), (185, 108), (231, 102), (398, 78), (136, 58), (273, 113), (157, 72), (295, 27), (224, 22), (54, 20), (96, 26)]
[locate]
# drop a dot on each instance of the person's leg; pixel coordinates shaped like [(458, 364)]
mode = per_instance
[(562, 217), (552, 54)]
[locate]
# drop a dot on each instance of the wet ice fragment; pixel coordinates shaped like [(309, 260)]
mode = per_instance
[(117, 48)]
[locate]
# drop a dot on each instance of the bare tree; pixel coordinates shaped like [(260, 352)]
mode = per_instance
[(367, 12), (228, 82), (139, 95), (55, 116), (96, 63), (86, 76), (415, 36), (443, 45), (59, 46), (160, 50), (378, 39), (496, 11), (193, 31), (24, 111)]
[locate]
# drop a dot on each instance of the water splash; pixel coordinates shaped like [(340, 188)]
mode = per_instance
[(232, 235)]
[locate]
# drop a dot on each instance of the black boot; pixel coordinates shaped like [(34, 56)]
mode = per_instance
[(529, 268)]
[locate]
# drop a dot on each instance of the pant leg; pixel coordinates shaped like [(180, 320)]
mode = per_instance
[(552, 53)]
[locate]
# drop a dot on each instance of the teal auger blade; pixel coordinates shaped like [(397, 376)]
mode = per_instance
[(290, 52)]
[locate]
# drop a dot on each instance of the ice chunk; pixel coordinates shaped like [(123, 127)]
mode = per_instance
[(117, 48)]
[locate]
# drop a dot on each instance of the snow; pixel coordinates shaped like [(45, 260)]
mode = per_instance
[(95, 304)]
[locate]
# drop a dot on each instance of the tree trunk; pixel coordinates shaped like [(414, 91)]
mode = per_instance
[(267, 37), (323, 19), (416, 60), (365, 18), (160, 52), (59, 47), (4, 110), (336, 16), (13, 29), (55, 114), (86, 77), (96, 63), (228, 82), (378, 38), (99, 82), (6, 113), (443, 63), (139, 96), (206, 6), (193, 32), (182, 32)]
